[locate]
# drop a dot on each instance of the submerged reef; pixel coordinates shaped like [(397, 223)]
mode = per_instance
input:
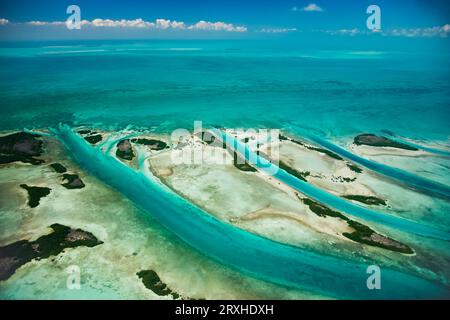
[(125, 150), (370, 139), (362, 234), (14, 255), (35, 194), (21, 146)]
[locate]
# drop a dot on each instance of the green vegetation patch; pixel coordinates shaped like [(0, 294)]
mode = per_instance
[(374, 201), (370, 139), (152, 143), (362, 234), (93, 139), (242, 164), (302, 175), (354, 167), (321, 150), (321, 210)]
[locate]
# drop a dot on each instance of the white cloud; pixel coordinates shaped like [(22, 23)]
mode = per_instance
[(278, 30), (162, 24), (217, 26), (310, 8), (3, 21), (136, 23), (166, 24), (45, 23)]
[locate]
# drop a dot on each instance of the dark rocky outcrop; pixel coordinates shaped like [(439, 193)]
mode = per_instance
[(35, 194), (125, 150), (73, 181), (16, 254), (151, 281), (21, 146), (93, 139)]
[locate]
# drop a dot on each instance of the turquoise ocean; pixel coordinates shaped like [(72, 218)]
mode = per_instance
[(339, 92), (332, 91)]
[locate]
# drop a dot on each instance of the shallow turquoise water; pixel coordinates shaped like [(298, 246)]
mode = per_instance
[(335, 201), (234, 247)]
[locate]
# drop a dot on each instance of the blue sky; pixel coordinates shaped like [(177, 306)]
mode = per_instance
[(255, 17)]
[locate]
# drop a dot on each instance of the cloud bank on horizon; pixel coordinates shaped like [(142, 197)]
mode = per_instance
[(229, 19), (161, 24), (166, 24)]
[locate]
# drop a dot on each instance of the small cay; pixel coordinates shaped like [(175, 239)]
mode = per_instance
[(370, 200), (73, 181), (92, 137), (151, 281), (14, 255), (35, 194), (58, 167), (125, 150), (370, 139), (362, 234), (152, 143)]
